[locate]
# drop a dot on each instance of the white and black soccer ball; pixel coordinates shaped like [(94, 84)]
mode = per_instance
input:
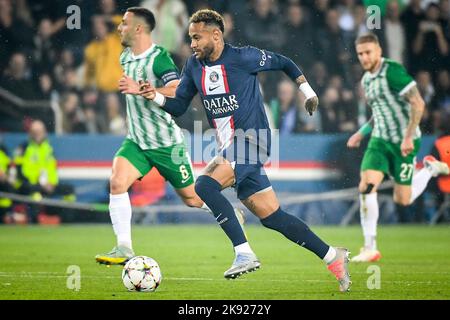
[(141, 273)]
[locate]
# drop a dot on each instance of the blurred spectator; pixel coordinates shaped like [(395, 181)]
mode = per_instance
[(71, 81), (411, 16), (171, 22), (331, 46), (15, 33), (426, 89), (44, 51), (299, 36), (425, 86), (116, 122), (263, 28), (318, 77), (338, 108), (347, 22), (319, 12), (45, 87), (108, 9), (65, 61), (95, 123), (430, 44), (229, 34), (102, 67), (109, 12), (73, 115), (441, 101), (328, 106), (37, 168), (284, 108), (57, 13), (444, 8), (360, 21), (16, 77), (394, 33)]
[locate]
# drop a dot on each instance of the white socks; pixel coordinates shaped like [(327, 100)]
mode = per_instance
[(419, 182), (369, 218), (331, 254), (243, 248), (120, 212)]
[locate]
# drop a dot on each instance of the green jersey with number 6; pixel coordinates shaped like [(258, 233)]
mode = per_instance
[(149, 126), (384, 91)]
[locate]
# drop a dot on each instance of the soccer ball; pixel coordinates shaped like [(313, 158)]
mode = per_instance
[(141, 273)]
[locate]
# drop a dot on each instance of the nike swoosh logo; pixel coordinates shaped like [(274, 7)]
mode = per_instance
[(183, 181), (213, 88)]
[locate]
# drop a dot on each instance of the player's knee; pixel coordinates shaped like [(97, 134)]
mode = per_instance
[(402, 200), (366, 188), (118, 184)]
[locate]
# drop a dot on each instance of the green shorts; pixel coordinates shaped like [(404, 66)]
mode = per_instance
[(386, 157), (173, 162)]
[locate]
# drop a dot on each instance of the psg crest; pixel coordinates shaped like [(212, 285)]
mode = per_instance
[(214, 77)]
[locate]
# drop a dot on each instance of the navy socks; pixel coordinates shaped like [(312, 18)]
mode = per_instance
[(209, 190), (297, 231)]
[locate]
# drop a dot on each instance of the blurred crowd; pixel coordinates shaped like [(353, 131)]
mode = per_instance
[(78, 69)]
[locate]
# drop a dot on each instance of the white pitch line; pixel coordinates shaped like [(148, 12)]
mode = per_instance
[(61, 275)]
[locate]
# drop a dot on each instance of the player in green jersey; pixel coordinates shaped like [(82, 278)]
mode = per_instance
[(153, 139), (397, 108)]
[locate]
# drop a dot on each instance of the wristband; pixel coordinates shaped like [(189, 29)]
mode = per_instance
[(365, 129), (159, 99), (307, 90)]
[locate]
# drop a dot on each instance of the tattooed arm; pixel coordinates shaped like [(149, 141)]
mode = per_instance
[(417, 108)]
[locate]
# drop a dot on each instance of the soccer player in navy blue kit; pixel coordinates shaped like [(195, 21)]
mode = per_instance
[(226, 79)]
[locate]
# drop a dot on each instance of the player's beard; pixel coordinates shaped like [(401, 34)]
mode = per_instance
[(207, 51), (126, 41), (373, 66)]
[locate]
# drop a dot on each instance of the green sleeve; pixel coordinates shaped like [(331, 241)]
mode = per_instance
[(398, 78), (164, 68)]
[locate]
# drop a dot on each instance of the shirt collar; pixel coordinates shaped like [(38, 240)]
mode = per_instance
[(373, 75), (143, 54)]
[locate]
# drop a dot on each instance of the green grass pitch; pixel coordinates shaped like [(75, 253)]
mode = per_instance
[(34, 262)]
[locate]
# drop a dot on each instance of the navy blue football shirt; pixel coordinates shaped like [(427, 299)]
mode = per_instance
[(230, 92)]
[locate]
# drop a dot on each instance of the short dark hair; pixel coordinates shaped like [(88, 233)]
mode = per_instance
[(145, 14), (209, 17), (367, 37)]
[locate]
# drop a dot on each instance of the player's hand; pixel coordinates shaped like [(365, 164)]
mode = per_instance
[(311, 105), (127, 85), (407, 146), (49, 188), (147, 90), (355, 140)]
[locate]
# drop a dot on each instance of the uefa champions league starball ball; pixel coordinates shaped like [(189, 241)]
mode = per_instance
[(141, 273)]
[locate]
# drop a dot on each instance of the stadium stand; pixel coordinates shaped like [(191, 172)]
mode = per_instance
[(51, 73)]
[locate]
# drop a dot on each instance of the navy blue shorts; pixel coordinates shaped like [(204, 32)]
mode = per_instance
[(250, 179), (247, 162)]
